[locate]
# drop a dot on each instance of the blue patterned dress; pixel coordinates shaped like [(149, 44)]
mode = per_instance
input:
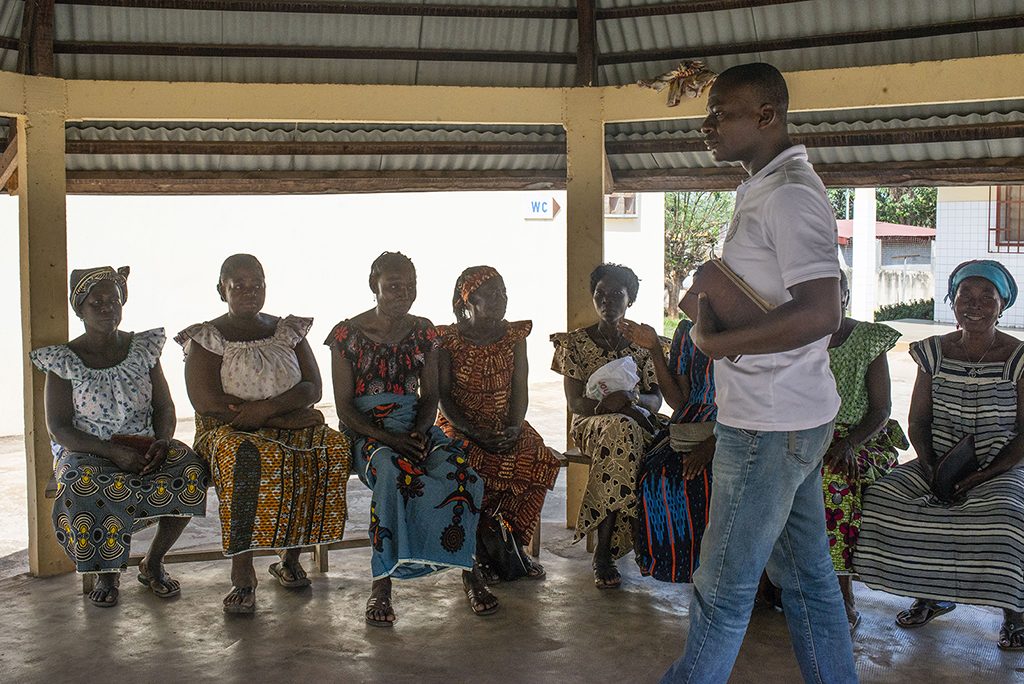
[(423, 516), (98, 506), (673, 511)]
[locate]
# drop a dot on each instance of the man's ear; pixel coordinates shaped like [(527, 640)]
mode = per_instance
[(768, 115)]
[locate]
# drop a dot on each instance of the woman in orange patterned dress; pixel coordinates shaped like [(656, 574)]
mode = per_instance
[(483, 397)]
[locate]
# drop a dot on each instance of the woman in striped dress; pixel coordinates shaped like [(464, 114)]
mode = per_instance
[(970, 551)]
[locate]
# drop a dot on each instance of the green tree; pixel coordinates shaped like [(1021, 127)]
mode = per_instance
[(907, 206), (693, 221)]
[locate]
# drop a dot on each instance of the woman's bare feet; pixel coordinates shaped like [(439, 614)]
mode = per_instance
[(242, 598), (379, 612), (105, 592)]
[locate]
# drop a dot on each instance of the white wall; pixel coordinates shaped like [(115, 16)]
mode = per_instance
[(316, 251), (962, 233)]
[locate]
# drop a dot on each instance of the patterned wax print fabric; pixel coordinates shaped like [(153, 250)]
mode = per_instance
[(98, 506), (278, 489), (515, 483), (673, 511), (875, 457), (614, 442), (423, 515), (971, 551)]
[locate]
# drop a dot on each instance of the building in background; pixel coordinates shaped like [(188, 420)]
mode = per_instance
[(903, 260)]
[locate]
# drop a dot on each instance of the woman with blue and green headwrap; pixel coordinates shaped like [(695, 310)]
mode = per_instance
[(969, 549)]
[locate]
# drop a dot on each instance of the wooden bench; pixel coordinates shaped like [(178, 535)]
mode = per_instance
[(577, 463)]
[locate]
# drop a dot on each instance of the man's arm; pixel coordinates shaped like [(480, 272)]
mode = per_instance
[(813, 313)]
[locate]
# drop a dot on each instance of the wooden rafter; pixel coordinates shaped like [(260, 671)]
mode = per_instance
[(818, 41), (659, 10), (851, 138), (35, 48), (309, 52), (331, 7), (586, 45)]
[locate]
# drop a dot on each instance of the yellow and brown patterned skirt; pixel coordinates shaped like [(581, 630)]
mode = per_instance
[(278, 489)]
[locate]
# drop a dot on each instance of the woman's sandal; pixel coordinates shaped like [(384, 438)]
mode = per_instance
[(98, 597), (922, 612), (160, 584), (534, 570), (377, 604), (299, 579), (606, 576), (1011, 636), (247, 604), (479, 597)]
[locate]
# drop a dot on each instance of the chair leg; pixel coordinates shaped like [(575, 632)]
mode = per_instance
[(591, 542), (88, 582), (535, 542), (321, 558)]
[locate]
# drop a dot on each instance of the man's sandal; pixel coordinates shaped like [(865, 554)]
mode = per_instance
[(299, 580), (160, 584), (922, 612), (377, 604), (247, 603), (1011, 636)]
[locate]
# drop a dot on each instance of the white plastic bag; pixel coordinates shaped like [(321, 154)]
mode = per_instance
[(619, 375)]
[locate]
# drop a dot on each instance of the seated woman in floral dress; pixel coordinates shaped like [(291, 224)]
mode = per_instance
[(426, 497), (674, 479), (111, 421), (614, 431), (280, 472), (970, 550), (484, 396)]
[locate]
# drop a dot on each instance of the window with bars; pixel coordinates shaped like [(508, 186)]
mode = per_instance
[(620, 205), (1006, 219)]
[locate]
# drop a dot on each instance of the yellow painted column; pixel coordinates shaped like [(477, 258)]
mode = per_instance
[(585, 161), (44, 309)]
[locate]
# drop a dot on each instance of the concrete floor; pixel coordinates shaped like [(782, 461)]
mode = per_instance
[(559, 630)]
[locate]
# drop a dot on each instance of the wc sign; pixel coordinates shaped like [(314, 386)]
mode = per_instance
[(541, 209)]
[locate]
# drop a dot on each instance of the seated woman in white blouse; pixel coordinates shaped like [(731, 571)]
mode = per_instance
[(280, 472)]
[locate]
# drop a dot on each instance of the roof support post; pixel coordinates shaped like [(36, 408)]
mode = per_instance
[(865, 275), (586, 46), (35, 48), (585, 162), (44, 309)]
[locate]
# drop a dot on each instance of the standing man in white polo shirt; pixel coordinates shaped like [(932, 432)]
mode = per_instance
[(776, 403)]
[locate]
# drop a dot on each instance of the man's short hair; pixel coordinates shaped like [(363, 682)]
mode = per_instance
[(765, 78)]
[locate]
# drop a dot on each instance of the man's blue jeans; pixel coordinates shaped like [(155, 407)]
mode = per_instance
[(767, 509)]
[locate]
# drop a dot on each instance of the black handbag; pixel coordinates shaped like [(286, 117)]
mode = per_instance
[(503, 554), (953, 466)]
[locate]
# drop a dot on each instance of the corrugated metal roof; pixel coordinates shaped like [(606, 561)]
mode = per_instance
[(705, 33)]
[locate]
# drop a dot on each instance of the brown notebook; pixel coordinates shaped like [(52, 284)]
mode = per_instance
[(734, 303)]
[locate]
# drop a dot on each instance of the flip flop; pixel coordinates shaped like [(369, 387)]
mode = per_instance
[(162, 585), (606, 576), (925, 609), (534, 570), (297, 581), (102, 602), (1008, 632), (379, 603), (244, 607)]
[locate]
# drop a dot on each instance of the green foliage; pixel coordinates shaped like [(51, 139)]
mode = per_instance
[(670, 326), (906, 206), (918, 309), (693, 222)]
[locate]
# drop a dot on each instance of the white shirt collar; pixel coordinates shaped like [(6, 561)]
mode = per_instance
[(794, 152)]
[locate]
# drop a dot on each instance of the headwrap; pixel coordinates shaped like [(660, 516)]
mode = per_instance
[(992, 271), (82, 281), (473, 277)]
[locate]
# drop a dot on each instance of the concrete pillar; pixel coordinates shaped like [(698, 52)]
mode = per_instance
[(585, 162), (865, 267), (44, 309)]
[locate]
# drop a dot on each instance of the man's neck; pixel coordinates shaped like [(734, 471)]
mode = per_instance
[(767, 153)]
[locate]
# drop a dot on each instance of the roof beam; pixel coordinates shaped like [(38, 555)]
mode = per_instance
[(309, 52), (312, 148), (35, 48), (823, 40), (854, 138), (586, 45), (684, 8), (998, 170), (311, 182), (330, 7)]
